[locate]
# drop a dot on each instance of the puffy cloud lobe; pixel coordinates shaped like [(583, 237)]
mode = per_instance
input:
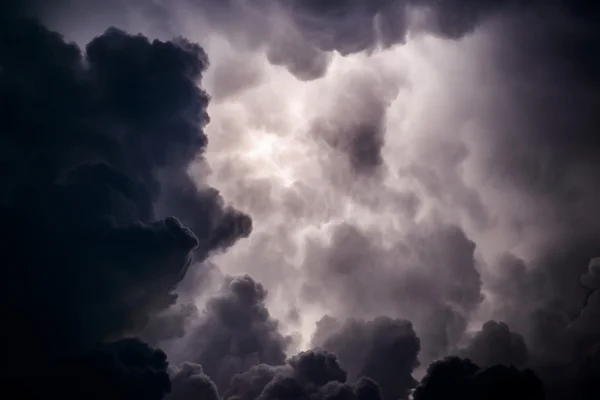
[(429, 277), (313, 29), (189, 381), (382, 349), (557, 313), (303, 60), (456, 378), (317, 367), (352, 26), (496, 344), (237, 332), (88, 142), (312, 374)]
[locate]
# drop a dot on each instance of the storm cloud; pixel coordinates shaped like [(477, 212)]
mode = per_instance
[(419, 178), (236, 332), (88, 141), (460, 378), (382, 349)]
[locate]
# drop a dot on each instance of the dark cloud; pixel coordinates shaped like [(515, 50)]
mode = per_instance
[(541, 147), (91, 142), (236, 332), (382, 349), (122, 370), (496, 344), (127, 369), (557, 314), (102, 219), (189, 382), (456, 378), (312, 374), (351, 26), (454, 19), (299, 34)]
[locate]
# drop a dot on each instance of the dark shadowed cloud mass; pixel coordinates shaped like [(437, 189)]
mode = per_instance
[(384, 350), (236, 332), (89, 142), (337, 200)]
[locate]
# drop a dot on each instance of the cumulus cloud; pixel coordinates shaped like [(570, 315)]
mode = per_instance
[(383, 349), (429, 161), (462, 379), (189, 381), (91, 143), (296, 34), (496, 344), (236, 332), (315, 374), (428, 277)]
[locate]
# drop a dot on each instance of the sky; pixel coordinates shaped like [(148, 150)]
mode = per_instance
[(285, 199)]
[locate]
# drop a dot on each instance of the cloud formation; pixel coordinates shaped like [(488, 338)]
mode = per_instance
[(415, 169), (383, 349), (94, 243), (457, 378), (236, 332), (314, 374)]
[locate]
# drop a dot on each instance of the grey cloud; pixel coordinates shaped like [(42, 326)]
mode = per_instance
[(556, 314), (236, 332), (354, 122), (188, 382), (496, 344), (382, 349), (429, 277), (302, 59), (315, 374), (296, 34), (90, 137), (229, 79)]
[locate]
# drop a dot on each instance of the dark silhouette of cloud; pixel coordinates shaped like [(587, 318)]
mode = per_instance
[(91, 142), (236, 332), (126, 369), (314, 374), (189, 381), (456, 378), (382, 349), (496, 344)]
